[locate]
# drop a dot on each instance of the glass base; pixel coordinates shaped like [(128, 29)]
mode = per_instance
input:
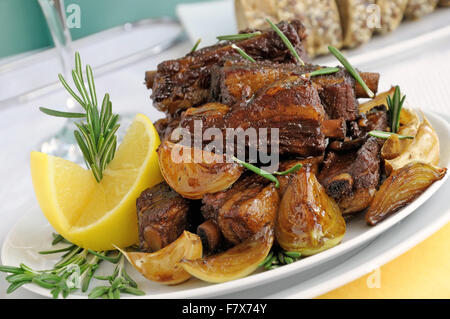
[(63, 144)]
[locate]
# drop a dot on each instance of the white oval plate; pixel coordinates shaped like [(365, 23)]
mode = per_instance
[(33, 234)]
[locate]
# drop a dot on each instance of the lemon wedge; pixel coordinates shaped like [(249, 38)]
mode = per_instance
[(99, 215)]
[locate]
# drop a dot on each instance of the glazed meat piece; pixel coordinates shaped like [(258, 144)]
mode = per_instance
[(351, 169), (162, 217), (183, 83), (352, 178), (358, 130), (291, 105), (237, 81), (241, 211), (337, 92)]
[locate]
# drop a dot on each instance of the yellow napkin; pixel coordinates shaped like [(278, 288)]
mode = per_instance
[(422, 272)]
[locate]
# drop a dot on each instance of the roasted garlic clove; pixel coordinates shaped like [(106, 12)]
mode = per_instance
[(308, 221), (235, 263), (424, 148), (193, 173), (409, 125), (380, 99), (164, 265), (401, 188)]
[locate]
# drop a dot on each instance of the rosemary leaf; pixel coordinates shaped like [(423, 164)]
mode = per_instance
[(242, 52), (196, 45), (71, 92), (237, 37), (90, 78), (322, 71), (48, 252), (286, 42), (61, 114), (341, 58), (386, 135), (293, 169), (258, 171)]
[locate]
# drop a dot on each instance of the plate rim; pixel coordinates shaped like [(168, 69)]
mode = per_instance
[(251, 281)]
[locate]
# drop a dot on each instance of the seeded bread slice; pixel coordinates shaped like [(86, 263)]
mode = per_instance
[(391, 14), (321, 19), (416, 9), (253, 13), (357, 20)]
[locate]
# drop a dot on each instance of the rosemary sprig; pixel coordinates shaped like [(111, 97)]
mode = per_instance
[(321, 71), (96, 136), (279, 257), (237, 37), (386, 135), (242, 52), (73, 271), (120, 282), (395, 105), (286, 42), (196, 45), (341, 58), (266, 174)]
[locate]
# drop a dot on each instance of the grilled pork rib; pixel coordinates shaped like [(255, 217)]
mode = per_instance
[(162, 217), (352, 176), (235, 82), (183, 83), (241, 211), (291, 105)]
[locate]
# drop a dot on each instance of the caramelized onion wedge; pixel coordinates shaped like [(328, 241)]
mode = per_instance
[(193, 173), (409, 124), (308, 221), (164, 265), (424, 148), (380, 99), (235, 263), (401, 188)]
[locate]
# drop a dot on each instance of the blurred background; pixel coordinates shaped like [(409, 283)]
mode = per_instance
[(24, 27)]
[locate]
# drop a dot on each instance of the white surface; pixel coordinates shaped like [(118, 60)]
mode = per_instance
[(207, 20), (422, 73), (33, 234)]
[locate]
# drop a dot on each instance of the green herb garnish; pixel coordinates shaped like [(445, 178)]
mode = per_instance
[(286, 42), (120, 282), (242, 52), (196, 45), (395, 105), (341, 58), (96, 136), (74, 270), (237, 37), (279, 257), (266, 174), (322, 71), (386, 135)]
